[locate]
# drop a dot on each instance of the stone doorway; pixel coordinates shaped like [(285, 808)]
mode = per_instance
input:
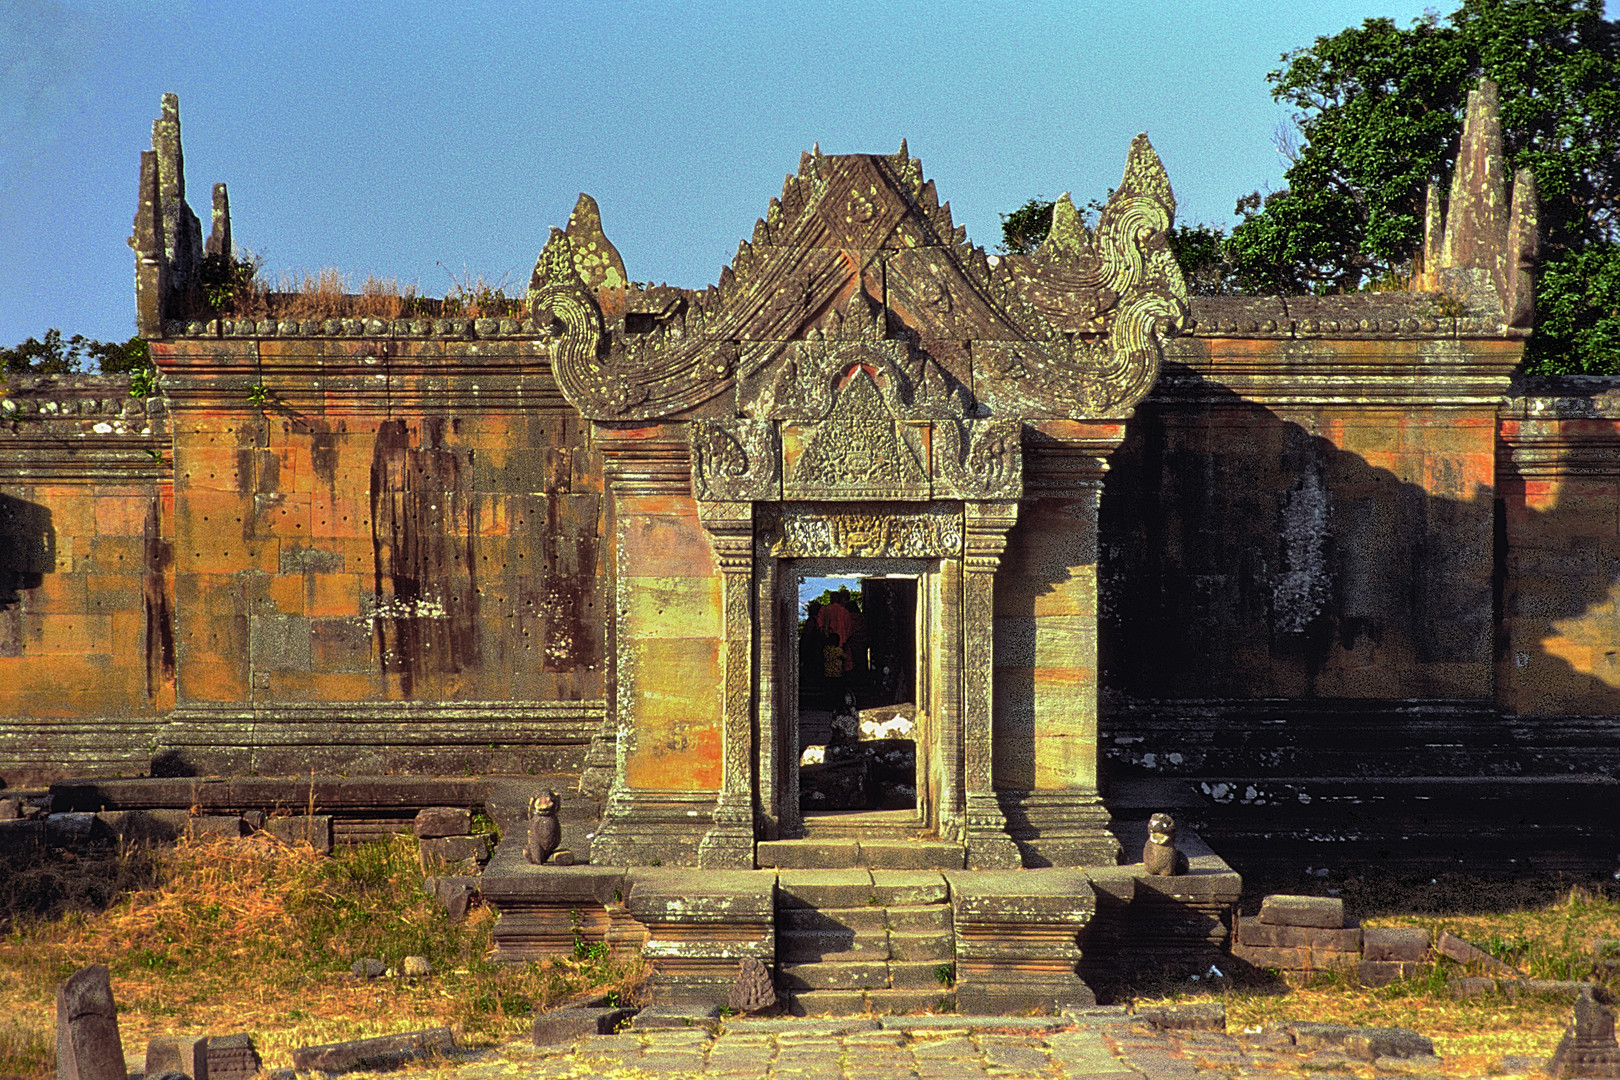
[(855, 734)]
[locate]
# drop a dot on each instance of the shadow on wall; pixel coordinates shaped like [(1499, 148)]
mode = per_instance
[(27, 548), (1249, 562)]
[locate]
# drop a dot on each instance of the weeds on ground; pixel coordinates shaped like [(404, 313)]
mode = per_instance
[(255, 935)]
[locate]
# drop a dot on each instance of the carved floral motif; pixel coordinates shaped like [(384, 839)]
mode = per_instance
[(886, 532), (735, 459)]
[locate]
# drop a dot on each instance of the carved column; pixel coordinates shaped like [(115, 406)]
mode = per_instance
[(730, 844), (985, 536)]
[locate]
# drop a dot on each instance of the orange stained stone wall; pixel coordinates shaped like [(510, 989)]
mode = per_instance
[(334, 547), (1559, 483), (85, 617), (671, 629)]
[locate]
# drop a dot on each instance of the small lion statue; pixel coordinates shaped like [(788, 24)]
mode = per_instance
[(544, 831), (1160, 857)]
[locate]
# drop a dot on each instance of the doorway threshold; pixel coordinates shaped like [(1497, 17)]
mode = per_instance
[(868, 852)]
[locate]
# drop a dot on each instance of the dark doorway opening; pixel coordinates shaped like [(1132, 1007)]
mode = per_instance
[(857, 711)]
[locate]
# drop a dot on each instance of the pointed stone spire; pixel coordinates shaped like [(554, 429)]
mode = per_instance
[(1067, 235), (182, 232), (1434, 227), (1524, 252), (1476, 214), (596, 260), (219, 237)]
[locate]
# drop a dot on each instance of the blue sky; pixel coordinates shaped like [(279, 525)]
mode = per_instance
[(435, 143)]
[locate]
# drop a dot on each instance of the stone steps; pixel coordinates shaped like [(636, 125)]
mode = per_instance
[(841, 852), (853, 941)]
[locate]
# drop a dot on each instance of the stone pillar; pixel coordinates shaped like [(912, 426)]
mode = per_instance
[(1046, 651), (989, 847), (730, 844), (87, 1042)]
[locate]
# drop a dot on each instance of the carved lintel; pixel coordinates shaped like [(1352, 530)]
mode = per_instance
[(812, 531), (735, 459)]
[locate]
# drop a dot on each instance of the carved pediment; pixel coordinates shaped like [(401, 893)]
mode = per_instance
[(858, 263)]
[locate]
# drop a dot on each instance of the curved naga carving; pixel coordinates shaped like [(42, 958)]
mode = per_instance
[(1094, 310), (859, 257)]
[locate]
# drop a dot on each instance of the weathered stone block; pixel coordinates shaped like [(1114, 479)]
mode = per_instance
[(1253, 932), (1194, 1016), (1279, 958), (918, 975), (1395, 943), (437, 821), (382, 1052), (1464, 952), (216, 826), (825, 888), (1320, 911), (177, 1053), (933, 918), (658, 1017), (935, 946), (445, 849), (808, 946), (87, 1042), (834, 976)]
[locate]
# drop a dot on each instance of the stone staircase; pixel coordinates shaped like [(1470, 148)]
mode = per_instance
[(853, 941)]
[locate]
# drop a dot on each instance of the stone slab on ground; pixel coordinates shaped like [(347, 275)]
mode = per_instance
[(1271, 935), (655, 1017), (450, 849), (1466, 952), (381, 1052), (1326, 912), (314, 830), (1194, 1016), (571, 1024)]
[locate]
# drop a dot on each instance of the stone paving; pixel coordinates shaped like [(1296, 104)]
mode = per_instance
[(1100, 1044)]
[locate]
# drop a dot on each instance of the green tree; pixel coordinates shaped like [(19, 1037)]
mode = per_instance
[(54, 356), (1380, 112)]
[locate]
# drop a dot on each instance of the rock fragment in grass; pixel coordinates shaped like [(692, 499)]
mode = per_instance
[(368, 967), (417, 966), (1409, 943)]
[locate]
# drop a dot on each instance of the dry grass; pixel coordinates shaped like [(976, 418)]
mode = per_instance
[(254, 935), (327, 294), (1549, 941)]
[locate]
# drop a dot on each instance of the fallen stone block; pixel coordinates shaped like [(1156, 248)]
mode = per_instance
[(177, 1054), (1193, 1016), (1321, 911), (1468, 986), (454, 893), (233, 1057), (1464, 952), (561, 1026), (368, 967), (437, 821), (11, 809), (87, 1042), (1384, 972), (21, 836), (1395, 943), (1279, 959), (382, 1052), (449, 849), (69, 830)]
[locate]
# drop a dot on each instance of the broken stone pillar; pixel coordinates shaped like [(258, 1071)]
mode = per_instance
[(219, 237), (1588, 1047), (87, 1042), (182, 232), (177, 1054)]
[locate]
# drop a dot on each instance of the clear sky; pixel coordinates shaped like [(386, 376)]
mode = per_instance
[(435, 143)]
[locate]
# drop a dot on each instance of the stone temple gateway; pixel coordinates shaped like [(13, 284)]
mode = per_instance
[(1108, 539)]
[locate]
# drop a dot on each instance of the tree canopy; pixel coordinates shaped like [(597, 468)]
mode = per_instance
[(1379, 109), (1379, 112), (54, 356)]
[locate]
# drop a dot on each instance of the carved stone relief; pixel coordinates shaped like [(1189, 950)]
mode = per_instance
[(735, 459), (858, 453), (809, 531)]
